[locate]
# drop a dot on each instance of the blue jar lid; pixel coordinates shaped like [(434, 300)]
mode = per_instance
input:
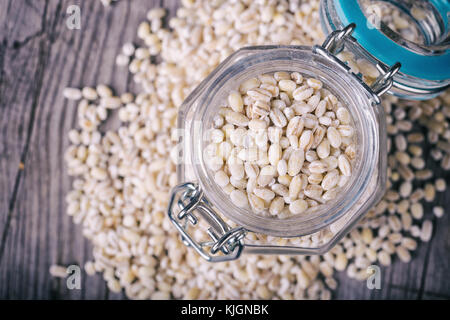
[(429, 67)]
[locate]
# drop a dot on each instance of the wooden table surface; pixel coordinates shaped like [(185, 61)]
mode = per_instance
[(39, 56)]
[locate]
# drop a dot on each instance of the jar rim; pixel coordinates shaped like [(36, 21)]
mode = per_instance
[(338, 81)]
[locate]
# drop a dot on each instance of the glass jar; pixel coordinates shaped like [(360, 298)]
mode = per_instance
[(205, 216)]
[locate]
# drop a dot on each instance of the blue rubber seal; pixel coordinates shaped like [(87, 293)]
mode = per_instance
[(384, 49)]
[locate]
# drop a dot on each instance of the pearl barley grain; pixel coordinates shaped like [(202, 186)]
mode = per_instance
[(417, 210), (235, 101), (438, 211), (426, 231), (334, 137), (403, 254), (295, 162), (58, 271), (287, 85), (440, 185), (344, 165), (341, 262)]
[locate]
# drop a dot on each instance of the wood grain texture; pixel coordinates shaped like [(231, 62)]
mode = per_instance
[(39, 56)]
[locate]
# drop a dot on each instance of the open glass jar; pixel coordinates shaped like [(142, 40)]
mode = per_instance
[(206, 217)]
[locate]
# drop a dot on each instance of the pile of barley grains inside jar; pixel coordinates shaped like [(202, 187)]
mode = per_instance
[(122, 177), (282, 144)]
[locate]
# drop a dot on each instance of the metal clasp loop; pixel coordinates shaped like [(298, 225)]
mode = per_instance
[(334, 42), (384, 82), (188, 198)]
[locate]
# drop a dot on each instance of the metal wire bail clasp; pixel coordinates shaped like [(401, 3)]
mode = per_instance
[(335, 42), (226, 243)]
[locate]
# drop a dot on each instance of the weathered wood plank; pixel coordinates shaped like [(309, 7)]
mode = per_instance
[(21, 88), (14, 121)]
